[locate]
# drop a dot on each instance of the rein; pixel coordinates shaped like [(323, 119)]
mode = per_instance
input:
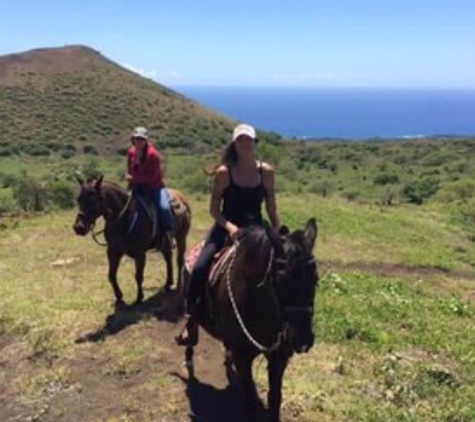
[(244, 329)]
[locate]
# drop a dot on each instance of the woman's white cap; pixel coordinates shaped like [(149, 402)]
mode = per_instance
[(140, 132), (244, 129)]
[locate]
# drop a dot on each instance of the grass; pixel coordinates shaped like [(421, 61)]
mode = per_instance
[(396, 347)]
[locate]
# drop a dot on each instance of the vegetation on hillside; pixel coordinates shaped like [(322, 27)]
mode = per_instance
[(73, 100)]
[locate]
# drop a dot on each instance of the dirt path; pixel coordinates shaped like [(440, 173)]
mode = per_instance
[(394, 270)]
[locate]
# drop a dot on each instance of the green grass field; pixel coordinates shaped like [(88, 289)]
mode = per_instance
[(394, 321)]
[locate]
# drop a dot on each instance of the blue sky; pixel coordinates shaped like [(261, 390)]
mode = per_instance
[(339, 43)]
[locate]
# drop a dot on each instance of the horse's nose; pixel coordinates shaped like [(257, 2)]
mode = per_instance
[(79, 229), (306, 345), (304, 348)]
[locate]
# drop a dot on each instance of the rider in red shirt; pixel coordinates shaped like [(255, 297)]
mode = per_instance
[(145, 174)]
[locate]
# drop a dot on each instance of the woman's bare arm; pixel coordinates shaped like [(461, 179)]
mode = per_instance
[(271, 203)]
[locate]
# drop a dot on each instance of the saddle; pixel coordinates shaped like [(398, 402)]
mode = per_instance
[(147, 209), (219, 265)]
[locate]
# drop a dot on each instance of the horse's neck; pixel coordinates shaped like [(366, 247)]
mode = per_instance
[(255, 258), (116, 200)]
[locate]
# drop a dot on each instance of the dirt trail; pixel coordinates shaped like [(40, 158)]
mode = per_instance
[(394, 270)]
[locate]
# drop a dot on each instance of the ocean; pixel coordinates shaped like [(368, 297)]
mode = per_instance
[(344, 113)]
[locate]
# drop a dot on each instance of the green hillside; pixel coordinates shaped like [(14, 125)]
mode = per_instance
[(73, 99)]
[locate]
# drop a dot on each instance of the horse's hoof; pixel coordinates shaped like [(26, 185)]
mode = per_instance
[(187, 364), (119, 304)]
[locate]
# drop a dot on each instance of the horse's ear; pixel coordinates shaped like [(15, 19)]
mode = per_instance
[(311, 232), (79, 178), (98, 182), (284, 230)]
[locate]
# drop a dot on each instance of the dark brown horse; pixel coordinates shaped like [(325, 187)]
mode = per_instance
[(263, 303), (127, 232)]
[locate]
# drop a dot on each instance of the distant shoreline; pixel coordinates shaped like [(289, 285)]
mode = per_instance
[(350, 114)]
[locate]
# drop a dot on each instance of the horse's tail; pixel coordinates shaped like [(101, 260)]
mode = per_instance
[(179, 203)]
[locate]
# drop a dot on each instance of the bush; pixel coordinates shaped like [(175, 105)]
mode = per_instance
[(197, 182), (30, 195), (8, 180), (419, 190), (92, 150), (91, 169), (386, 179), (61, 195), (462, 190), (320, 187), (7, 204)]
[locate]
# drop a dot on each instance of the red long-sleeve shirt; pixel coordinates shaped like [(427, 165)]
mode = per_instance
[(146, 171)]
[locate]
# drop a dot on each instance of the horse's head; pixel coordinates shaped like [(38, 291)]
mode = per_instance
[(91, 207), (296, 278)]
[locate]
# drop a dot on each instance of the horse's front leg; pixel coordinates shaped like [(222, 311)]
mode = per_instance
[(114, 256), (167, 255), (180, 258), (252, 403), (140, 260), (277, 364)]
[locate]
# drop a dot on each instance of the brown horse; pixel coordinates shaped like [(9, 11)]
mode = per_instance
[(128, 232), (262, 302)]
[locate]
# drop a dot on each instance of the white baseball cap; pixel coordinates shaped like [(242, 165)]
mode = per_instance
[(244, 129), (140, 132)]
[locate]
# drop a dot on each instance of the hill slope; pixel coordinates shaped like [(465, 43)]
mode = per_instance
[(76, 96)]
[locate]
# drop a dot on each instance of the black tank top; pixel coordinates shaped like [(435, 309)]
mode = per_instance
[(242, 205)]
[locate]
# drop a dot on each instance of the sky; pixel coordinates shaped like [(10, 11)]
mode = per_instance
[(287, 43)]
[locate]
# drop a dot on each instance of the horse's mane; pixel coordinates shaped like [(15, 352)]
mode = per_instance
[(109, 185), (254, 245)]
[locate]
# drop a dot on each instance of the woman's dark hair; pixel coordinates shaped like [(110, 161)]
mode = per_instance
[(229, 158)]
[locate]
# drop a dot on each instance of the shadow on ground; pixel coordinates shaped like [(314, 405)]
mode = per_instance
[(211, 404), (165, 305)]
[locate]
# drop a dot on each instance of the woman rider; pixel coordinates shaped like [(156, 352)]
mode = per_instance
[(241, 184)]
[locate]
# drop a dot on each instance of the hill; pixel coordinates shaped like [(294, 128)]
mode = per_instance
[(75, 99)]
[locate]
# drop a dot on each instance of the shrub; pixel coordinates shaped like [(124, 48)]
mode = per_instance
[(30, 195), (462, 190), (321, 187), (7, 204), (61, 195), (386, 179), (91, 149), (419, 190), (8, 180), (91, 169)]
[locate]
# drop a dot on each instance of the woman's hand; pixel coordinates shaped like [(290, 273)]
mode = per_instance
[(128, 177), (233, 231)]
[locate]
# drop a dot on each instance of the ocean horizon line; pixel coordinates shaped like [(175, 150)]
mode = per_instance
[(351, 114)]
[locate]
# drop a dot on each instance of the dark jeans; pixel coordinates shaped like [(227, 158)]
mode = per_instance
[(214, 243)]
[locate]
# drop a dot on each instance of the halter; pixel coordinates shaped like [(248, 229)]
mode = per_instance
[(113, 223), (298, 309)]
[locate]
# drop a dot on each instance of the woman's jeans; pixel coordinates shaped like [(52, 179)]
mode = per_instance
[(161, 198)]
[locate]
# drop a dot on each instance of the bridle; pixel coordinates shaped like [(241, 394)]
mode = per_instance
[(92, 221), (308, 260)]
